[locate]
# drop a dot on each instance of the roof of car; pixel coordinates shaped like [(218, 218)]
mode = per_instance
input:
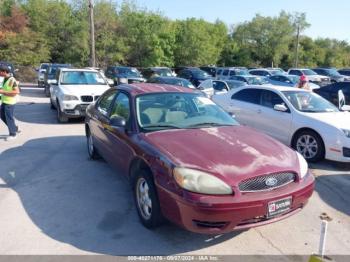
[(144, 88), (270, 87)]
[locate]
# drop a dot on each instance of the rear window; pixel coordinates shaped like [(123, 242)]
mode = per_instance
[(250, 95)]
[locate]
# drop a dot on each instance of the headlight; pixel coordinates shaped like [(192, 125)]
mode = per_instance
[(346, 132), (304, 167), (200, 182), (69, 98)]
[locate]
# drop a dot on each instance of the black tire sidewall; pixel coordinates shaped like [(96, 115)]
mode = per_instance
[(320, 145)]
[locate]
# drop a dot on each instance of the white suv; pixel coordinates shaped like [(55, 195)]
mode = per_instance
[(74, 90)]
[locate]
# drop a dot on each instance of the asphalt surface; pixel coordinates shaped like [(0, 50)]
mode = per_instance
[(54, 200)]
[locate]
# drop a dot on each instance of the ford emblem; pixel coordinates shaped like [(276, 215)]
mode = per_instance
[(271, 181)]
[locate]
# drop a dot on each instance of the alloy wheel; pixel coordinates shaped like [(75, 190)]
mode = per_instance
[(143, 198), (307, 146)]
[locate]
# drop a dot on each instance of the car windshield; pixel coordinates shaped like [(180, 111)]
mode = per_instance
[(308, 72), (163, 72), (45, 66), (200, 74), (235, 84), (309, 102), (129, 71), (179, 111), (333, 72), (294, 79), (257, 80), (82, 78)]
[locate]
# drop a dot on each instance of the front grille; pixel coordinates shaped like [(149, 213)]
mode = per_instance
[(87, 99), (260, 183), (207, 224)]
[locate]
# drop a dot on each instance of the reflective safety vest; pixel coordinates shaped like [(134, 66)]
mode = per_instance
[(9, 100)]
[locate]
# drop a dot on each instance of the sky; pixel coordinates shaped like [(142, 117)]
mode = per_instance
[(327, 18)]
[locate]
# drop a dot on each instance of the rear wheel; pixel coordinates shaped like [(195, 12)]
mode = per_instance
[(310, 145), (146, 199)]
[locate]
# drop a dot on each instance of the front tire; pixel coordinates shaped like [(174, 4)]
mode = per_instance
[(310, 145), (147, 203), (61, 118), (93, 154)]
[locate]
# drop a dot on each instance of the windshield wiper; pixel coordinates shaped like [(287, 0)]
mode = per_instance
[(162, 126), (208, 124)]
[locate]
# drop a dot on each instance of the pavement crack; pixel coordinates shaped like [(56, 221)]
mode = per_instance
[(269, 242)]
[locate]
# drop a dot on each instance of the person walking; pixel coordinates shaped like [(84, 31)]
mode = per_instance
[(304, 83), (8, 92)]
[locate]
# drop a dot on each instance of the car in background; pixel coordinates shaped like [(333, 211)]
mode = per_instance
[(190, 162), (102, 72), (157, 71), (225, 73), (264, 72), (296, 117), (124, 75), (344, 71), (176, 81), (211, 70), (10, 66), (50, 76), (312, 76), (211, 86), (41, 74), (251, 79), (75, 89), (195, 75), (332, 73), (288, 80), (331, 92), (280, 70)]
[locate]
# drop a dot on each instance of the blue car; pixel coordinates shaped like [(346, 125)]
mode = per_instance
[(288, 80)]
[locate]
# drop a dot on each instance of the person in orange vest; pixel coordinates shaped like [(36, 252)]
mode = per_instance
[(8, 92)]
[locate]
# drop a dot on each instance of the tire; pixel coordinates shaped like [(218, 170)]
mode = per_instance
[(60, 117), (93, 154), (310, 145), (145, 191), (47, 91)]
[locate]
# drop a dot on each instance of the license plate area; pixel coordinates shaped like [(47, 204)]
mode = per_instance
[(278, 207)]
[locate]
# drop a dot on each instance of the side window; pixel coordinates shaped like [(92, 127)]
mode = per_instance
[(270, 99), (232, 73), (219, 86), (250, 95), (295, 72), (121, 107), (275, 78), (225, 72), (105, 102), (219, 72)]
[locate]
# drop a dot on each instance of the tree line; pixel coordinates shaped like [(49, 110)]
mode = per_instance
[(35, 31)]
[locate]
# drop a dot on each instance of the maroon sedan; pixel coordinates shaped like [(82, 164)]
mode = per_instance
[(192, 163)]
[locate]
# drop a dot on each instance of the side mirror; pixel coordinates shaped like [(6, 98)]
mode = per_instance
[(280, 108), (117, 122)]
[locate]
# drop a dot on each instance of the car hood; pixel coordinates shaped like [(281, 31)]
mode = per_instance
[(231, 153), (338, 119), (79, 90)]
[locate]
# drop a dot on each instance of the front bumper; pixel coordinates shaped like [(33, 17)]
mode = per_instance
[(72, 111), (222, 214)]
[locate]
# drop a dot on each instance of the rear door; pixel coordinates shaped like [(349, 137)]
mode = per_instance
[(274, 123)]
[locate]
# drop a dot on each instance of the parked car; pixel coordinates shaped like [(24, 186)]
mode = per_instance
[(124, 75), (50, 76), (332, 73), (264, 72), (344, 71), (311, 75), (280, 70), (73, 90), (176, 81), (211, 87), (211, 70), (251, 79), (41, 74), (296, 117), (331, 92), (288, 80), (157, 71), (194, 75), (102, 72), (10, 66), (225, 73), (192, 163)]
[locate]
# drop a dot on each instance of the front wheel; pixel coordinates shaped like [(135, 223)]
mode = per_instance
[(61, 118), (146, 199), (310, 145), (93, 154)]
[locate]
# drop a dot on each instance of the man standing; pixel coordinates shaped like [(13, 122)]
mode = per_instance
[(8, 93)]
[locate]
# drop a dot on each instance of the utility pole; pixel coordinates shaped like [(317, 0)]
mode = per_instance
[(297, 46), (92, 34)]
